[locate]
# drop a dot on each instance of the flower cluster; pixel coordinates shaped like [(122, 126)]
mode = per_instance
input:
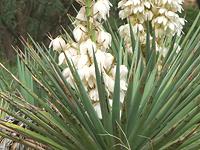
[(89, 36), (162, 13)]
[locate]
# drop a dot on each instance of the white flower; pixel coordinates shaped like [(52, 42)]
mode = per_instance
[(147, 5), (97, 108), (124, 31), (101, 9), (162, 50), (61, 58), (182, 21), (122, 96), (87, 48), (109, 82), (163, 14), (104, 60), (177, 47), (94, 95), (148, 15), (123, 85), (123, 72), (138, 9), (121, 3), (91, 77), (81, 16), (138, 27), (82, 61), (82, 74), (136, 2), (66, 73), (171, 26), (160, 20), (70, 80), (108, 61), (104, 38), (100, 57), (123, 75), (58, 44), (69, 52), (79, 32)]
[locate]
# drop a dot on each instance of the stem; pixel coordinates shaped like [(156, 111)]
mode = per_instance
[(90, 28)]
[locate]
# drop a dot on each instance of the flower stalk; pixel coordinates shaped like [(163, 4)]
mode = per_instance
[(90, 37), (89, 19)]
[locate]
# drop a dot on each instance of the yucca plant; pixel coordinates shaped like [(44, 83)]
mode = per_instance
[(160, 108), (9, 86), (3, 87)]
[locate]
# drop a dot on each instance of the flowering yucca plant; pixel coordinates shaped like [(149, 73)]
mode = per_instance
[(136, 89)]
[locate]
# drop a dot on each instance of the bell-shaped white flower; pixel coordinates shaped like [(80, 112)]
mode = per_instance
[(57, 44), (147, 4), (104, 38), (66, 73), (122, 96), (82, 61), (97, 108), (138, 9), (124, 31), (101, 9), (109, 59), (100, 56), (82, 74), (172, 26), (177, 47), (61, 58), (94, 95), (79, 32), (87, 48), (162, 11), (123, 85), (81, 16), (136, 2), (138, 27), (148, 15), (182, 21), (69, 52), (71, 81), (162, 50), (91, 77), (123, 72), (109, 82), (104, 60), (161, 20)]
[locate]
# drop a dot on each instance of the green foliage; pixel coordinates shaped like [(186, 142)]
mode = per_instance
[(18, 18), (26, 78), (161, 109), (3, 104), (190, 14)]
